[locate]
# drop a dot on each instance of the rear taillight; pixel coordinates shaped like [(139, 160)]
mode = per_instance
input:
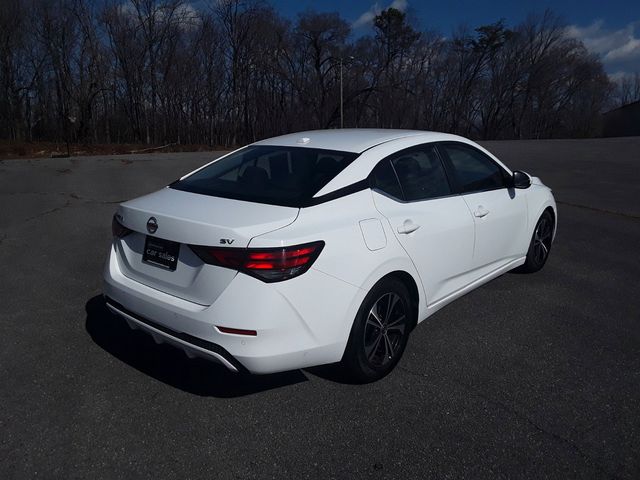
[(117, 229), (267, 264)]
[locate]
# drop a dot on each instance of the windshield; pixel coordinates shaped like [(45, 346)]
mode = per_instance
[(276, 175)]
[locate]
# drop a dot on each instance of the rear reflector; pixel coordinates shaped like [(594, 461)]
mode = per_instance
[(117, 229), (237, 331), (267, 264)]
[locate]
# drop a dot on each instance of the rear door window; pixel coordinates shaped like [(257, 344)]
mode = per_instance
[(421, 173), (385, 180)]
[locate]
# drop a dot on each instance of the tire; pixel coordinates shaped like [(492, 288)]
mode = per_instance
[(379, 335), (540, 245)]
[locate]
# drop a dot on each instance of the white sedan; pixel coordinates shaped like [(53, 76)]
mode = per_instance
[(322, 247)]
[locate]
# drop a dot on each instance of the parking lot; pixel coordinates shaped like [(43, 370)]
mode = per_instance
[(529, 376)]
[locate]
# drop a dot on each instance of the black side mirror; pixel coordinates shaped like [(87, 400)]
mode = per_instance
[(520, 180)]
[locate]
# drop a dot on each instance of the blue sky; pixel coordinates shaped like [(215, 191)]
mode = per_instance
[(609, 28)]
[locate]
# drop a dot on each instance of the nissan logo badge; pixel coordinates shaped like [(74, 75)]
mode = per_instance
[(152, 225)]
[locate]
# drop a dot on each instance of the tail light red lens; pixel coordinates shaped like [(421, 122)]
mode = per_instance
[(117, 229), (267, 264)]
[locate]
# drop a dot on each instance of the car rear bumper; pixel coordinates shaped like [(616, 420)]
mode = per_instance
[(192, 346), (299, 323)]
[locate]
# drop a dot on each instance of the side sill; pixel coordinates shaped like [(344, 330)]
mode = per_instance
[(473, 285)]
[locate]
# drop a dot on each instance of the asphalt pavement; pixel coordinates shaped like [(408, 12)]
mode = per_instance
[(529, 376)]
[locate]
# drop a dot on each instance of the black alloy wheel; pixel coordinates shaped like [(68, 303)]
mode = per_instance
[(540, 245), (380, 331)]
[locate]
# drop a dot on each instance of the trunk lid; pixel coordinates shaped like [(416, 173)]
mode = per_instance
[(190, 218)]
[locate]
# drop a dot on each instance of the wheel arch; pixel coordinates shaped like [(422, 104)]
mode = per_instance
[(554, 216), (397, 276), (542, 200), (403, 269), (414, 293), (547, 207)]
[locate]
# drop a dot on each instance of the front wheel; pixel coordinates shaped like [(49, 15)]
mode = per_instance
[(380, 332), (540, 245)]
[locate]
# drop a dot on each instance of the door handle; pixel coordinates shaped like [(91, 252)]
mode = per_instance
[(407, 227), (481, 212)]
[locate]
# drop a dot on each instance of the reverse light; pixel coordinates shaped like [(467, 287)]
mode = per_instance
[(118, 230), (266, 264)]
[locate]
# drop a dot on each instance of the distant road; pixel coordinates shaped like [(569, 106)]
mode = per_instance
[(595, 173), (602, 173)]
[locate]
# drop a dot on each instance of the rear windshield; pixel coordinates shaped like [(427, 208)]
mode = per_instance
[(288, 176)]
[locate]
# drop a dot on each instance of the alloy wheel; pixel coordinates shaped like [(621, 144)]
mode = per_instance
[(542, 240), (384, 329)]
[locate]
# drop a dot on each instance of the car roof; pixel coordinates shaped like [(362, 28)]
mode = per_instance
[(355, 140)]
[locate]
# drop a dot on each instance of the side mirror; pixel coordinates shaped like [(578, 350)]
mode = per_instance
[(520, 180)]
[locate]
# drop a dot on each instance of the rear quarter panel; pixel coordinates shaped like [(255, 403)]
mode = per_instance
[(346, 256)]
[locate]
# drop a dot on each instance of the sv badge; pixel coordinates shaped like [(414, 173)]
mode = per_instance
[(226, 241)]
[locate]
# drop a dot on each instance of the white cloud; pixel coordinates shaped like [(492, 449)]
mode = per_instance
[(187, 16), (184, 15), (399, 5), (619, 49), (618, 76), (630, 49), (367, 17)]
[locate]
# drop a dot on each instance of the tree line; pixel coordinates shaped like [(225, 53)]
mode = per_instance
[(234, 71)]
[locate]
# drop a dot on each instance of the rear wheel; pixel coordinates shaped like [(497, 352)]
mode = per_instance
[(380, 332), (540, 245)]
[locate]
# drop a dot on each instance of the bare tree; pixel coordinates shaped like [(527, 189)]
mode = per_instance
[(232, 71), (626, 90), (16, 72)]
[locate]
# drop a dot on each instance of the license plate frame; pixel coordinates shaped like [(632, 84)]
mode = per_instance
[(161, 253)]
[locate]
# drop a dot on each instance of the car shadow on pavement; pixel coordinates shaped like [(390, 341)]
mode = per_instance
[(170, 365)]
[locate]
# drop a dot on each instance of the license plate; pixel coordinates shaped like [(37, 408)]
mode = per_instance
[(161, 253)]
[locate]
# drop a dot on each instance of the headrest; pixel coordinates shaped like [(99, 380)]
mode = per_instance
[(255, 175), (327, 165), (407, 166)]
